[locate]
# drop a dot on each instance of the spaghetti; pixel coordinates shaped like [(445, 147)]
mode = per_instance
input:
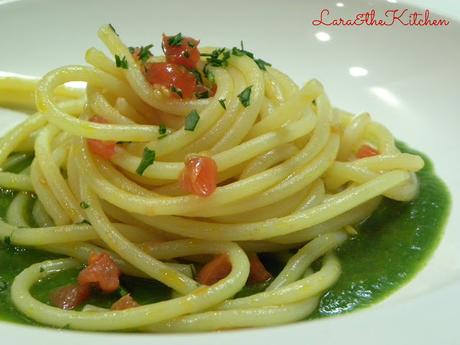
[(159, 175)]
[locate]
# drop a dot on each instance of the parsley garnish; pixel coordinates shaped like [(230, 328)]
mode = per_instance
[(124, 142), (162, 131), (84, 221), (262, 64), (177, 91), (191, 44), (191, 121), (7, 241), (222, 103), (113, 29), (121, 62), (197, 76), (147, 160), (202, 94), (3, 286), (209, 75), (122, 291), (42, 270), (245, 96), (218, 57), (144, 53), (175, 40), (84, 205)]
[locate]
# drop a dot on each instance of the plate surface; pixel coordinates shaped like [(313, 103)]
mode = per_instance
[(405, 76)]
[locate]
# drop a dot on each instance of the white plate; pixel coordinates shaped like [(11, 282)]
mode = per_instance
[(407, 77)]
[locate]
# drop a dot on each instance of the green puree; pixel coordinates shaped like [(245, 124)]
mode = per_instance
[(392, 245)]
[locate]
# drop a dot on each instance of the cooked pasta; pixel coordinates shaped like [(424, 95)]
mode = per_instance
[(282, 171)]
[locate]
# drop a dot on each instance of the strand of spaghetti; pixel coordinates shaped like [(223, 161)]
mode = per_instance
[(87, 129), (16, 181), (269, 159), (243, 123), (102, 107), (99, 60), (336, 205), (288, 111), (353, 216), (16, 212), (200, 299), (231, 319), (40, 215), (52, 174), (352, 134), (51, 205), (287, 85), (299, 262), (294, 292)]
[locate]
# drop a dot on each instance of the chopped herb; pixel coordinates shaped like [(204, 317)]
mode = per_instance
[(240, 52), (147, 160), (7, 241), (131, 50), (66, 326), (162, 131), (202, 94), (191, 44), (218, 57), (245, 96), (191, 120), (186, 54), (113, 29), (262, 64), (84, 205), (209, 75), (177, 91), (222, 103), (122, 291), (197, 76), (121, 62), (42, 270), (124, 142), (314, 102), (144, 53), (84, 221), (175, 40), (242, 45), (3, 286)]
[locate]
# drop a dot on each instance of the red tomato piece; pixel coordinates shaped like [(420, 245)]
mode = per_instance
[(366, 151), (125, 302), (199, 176), (101, 270), (104, 149), (258, 273), (215, 270), (185, 52), (172, 76), (70, 296)]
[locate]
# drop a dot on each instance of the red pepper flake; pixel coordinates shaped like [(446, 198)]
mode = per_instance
[(366, 151), (199, 176), (102, 271), (70, 296)]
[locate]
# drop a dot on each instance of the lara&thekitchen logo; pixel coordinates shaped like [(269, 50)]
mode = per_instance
[(392, 17)]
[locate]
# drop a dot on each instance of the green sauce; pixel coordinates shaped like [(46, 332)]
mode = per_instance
[(392, 246)]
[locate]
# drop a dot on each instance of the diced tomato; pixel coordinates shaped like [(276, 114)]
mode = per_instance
[(366, 151), (101, 270), (70, 296), (172, 77), (125, 302), (258, 273), (215, 270), (184, 53), (199, 176), (104, 149)]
